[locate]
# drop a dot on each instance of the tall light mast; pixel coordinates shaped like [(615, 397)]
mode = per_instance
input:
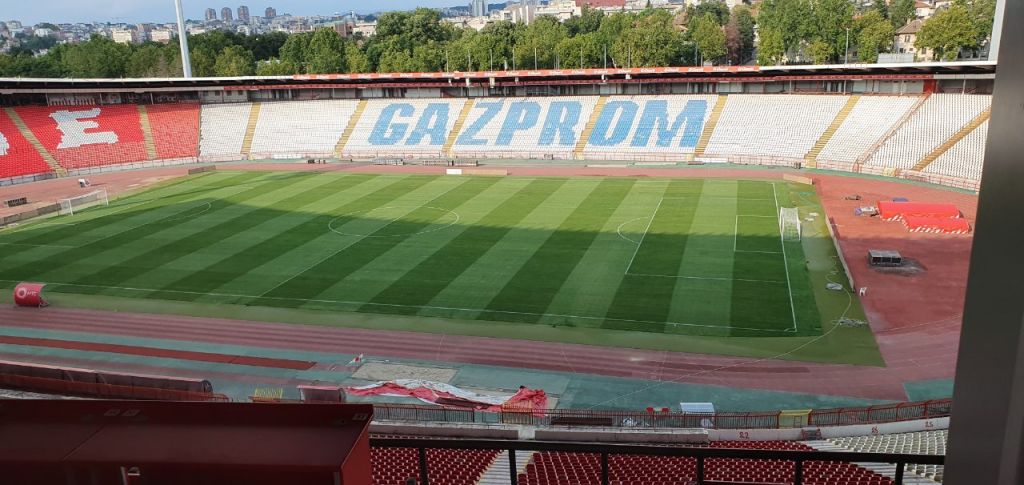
[(186, 62)]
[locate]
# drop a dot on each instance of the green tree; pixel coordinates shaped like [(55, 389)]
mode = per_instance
[(266, 46), (820, 51), (326, 53), (589, 20), (650, 41), (881, 7), (99, 57), (901, 12), (789, 21), (982, 13), (356, 59), (733, 41), (745, 22), (294, 49), (582, 51), (772, 48), (874, 35), (144, 60), (832, 18), (235, 61), (535, 45), (947, 32), (709, 36), (276, 67), (717, 8)]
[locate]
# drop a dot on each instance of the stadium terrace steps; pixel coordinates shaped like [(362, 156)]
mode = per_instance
[(709, 127), (147, 132), (339, 147), (31, 137), (250, 128), (581, 143), (467, 108), (222, 130), (498, 473), (938, 119), (894, 129), (812, 156), (884, 469), (964, 159), (960, 135)]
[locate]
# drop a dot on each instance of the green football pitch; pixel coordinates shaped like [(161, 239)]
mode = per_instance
[(670, 257)]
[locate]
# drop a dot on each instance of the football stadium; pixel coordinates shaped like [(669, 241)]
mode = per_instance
[(634, 276)]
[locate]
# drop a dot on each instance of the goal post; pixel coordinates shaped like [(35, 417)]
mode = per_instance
[(70, 205), (789, 223)]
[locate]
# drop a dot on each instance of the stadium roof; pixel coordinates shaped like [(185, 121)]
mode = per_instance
[(923, 70)]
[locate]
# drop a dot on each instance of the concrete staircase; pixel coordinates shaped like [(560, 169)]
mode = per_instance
[(498, 473), (581, 144), (454, 135), (946, 145), (351, 128), (892, 131), (147, 132), (709, 127), (250, 128), (31, 137), (884, 469), (812, 156)]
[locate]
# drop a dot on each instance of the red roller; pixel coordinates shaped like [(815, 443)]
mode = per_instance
[(30, 295)]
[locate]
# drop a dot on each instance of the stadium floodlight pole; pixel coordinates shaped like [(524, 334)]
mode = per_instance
[(186, 62), (847, 58)]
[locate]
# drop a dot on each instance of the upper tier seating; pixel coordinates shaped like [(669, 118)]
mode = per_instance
[(772, 125), (404, 127), (81, 137), (939, 118), (584, 469), (222, 130), (649, 125), (393, 466), (175, 130), (867, 123), (920, 443), (964, 159), (17, 156), (293, 129)]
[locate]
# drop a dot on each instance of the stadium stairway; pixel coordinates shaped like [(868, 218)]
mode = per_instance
[(884, 469), (31, 137), (339, 148), (581, 143), (147, 131), (953, 140), (457, 129), (863, 158), (812, 156), (709, 127), (498, 472), (250, 128)]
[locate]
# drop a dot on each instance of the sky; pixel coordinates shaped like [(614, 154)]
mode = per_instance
[(136, 11)]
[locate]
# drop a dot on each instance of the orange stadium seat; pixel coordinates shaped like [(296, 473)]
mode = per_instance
[(17, 156), (84, 136), (175, 130)]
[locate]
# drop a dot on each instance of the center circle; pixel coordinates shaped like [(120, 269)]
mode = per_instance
[(370, 221)]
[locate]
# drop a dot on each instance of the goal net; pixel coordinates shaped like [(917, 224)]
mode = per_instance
[(94, 198), (789, 223)]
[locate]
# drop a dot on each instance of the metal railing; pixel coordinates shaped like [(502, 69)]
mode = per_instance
[(886, 413), (799, 458)]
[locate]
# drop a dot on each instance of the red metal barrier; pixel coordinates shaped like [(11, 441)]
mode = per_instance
[(102, 391)]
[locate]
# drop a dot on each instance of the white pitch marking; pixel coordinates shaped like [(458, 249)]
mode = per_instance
[(785, 261), (644, 235)]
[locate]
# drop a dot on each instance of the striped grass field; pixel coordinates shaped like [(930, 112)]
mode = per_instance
[(698, 257)]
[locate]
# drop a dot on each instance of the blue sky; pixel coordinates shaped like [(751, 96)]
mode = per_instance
[(58, 11)]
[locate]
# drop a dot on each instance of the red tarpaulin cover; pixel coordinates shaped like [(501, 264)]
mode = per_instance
[(436, 393), (894, 211), (938, 225)]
